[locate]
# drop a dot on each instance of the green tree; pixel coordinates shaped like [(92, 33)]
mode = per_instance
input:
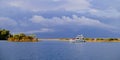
[(16, 36), (4, 34), (32, 35), (21, 35)]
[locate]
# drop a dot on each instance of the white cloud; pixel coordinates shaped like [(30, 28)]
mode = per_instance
[(109, 13), (4, 21), (19, 9), (16, 3), (37, 19), (43, 5), (42, 30), (111, 8), (56, 0), (68, 21), (76, 5)]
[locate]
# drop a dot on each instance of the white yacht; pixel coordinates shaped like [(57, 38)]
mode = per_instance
[(78, 39)]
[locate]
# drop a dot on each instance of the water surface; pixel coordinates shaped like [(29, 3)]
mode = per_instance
[(59, 50)]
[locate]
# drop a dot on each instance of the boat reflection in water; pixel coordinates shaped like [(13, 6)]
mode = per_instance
[(78, 39)]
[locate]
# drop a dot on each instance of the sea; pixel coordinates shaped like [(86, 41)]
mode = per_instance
[(59, 50)]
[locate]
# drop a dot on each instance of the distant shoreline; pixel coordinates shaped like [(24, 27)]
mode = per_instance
[(86, 39), (96, 39)]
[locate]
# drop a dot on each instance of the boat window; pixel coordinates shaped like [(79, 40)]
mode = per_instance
[(77, 38)]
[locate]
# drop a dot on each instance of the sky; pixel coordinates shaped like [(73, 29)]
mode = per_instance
[(61, 18)]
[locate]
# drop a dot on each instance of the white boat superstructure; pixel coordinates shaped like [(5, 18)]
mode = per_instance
[(77, 39)]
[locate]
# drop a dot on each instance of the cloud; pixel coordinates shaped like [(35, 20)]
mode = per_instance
[(109, 13), (46, 5), (110, 10), (68, 21), (105, 8), (37, 19), (105, 4), (40, 24), (4, 21), (42, 30), (56, 0), (77, 5), (59, 15)]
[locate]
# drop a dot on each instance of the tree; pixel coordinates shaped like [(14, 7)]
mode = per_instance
[(22, 38), (21, 35), (4, 34), (16, 36), (32, 35)]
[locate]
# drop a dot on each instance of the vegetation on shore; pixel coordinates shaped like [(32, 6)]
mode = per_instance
[(102, 39), (95, 39), (22, 38), (6, 35)]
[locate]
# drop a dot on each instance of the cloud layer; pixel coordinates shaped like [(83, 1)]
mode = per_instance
[(60, 16), (4, 21), (65, 20), (45, 5)]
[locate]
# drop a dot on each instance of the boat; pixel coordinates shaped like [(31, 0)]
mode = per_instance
[(77, 39)]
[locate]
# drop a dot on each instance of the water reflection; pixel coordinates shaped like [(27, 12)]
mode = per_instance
[(57, 50)]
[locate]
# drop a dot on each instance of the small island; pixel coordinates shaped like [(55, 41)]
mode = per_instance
[(21, 37)]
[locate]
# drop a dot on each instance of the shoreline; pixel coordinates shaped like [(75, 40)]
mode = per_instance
[(67, 39), (90, 40), (96, 39)]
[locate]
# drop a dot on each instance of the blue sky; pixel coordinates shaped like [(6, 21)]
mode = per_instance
[(61, 18)]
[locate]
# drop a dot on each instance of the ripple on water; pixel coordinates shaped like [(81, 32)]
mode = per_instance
[(59, 50)]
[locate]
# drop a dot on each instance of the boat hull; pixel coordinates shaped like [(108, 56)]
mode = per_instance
[(77, 41)]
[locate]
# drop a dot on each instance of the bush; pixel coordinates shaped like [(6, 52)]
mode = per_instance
[(22, 38), (4, 34)]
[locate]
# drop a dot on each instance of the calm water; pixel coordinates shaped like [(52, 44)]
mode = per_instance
[(58, 50)]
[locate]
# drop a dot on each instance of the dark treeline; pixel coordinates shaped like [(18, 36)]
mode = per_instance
[(4, 34)]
